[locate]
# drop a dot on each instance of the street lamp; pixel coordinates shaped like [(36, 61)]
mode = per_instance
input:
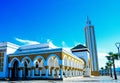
[(118, 47)]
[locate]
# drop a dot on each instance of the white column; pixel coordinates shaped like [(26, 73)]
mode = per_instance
[(53, 73), (74, 72), (80, 73), (47, 72), (57, 73), (70, 73), (66, 73), (77, 72), (32, 73), (61, 73), (40, 72), (20, 73), (29, 73)]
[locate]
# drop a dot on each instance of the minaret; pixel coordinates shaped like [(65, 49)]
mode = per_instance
[(91, 45)]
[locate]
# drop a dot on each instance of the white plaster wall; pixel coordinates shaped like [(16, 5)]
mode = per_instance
[(10, 50), (85, 55)]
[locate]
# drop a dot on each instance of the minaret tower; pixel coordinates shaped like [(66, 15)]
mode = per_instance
[(91, 45)]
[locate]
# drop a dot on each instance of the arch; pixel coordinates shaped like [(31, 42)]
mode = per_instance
[(26, 62), (38, 57), (65, 60), (29, 61), (64, 56), (38, 62), (51, 55), (53, 64), (12, 62)]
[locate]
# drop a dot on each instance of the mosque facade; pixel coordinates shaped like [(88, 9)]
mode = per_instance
[(42, 61)]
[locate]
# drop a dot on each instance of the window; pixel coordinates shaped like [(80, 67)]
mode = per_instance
[(1, 60)]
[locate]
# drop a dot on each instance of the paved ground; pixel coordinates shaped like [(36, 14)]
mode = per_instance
[(100, 79)]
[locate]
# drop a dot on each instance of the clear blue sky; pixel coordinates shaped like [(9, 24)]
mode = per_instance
[(61, 21)]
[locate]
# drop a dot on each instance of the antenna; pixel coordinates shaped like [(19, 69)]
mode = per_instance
[(88, 20)]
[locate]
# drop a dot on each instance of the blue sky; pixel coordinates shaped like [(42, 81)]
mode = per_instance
[(60, 21)]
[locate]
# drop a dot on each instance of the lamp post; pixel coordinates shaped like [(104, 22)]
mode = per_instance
[(118, 47)]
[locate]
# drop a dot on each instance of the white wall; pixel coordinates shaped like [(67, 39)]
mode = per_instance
[(8, 50), (86, 56)]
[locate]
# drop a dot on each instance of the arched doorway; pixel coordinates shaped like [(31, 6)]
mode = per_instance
[(15, 71)]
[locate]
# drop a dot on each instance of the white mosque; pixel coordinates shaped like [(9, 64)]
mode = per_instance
[(44, 61)]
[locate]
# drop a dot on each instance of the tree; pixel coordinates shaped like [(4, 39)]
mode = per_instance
[(109, 64), (112, 57), (107, 70), (102, 70)]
